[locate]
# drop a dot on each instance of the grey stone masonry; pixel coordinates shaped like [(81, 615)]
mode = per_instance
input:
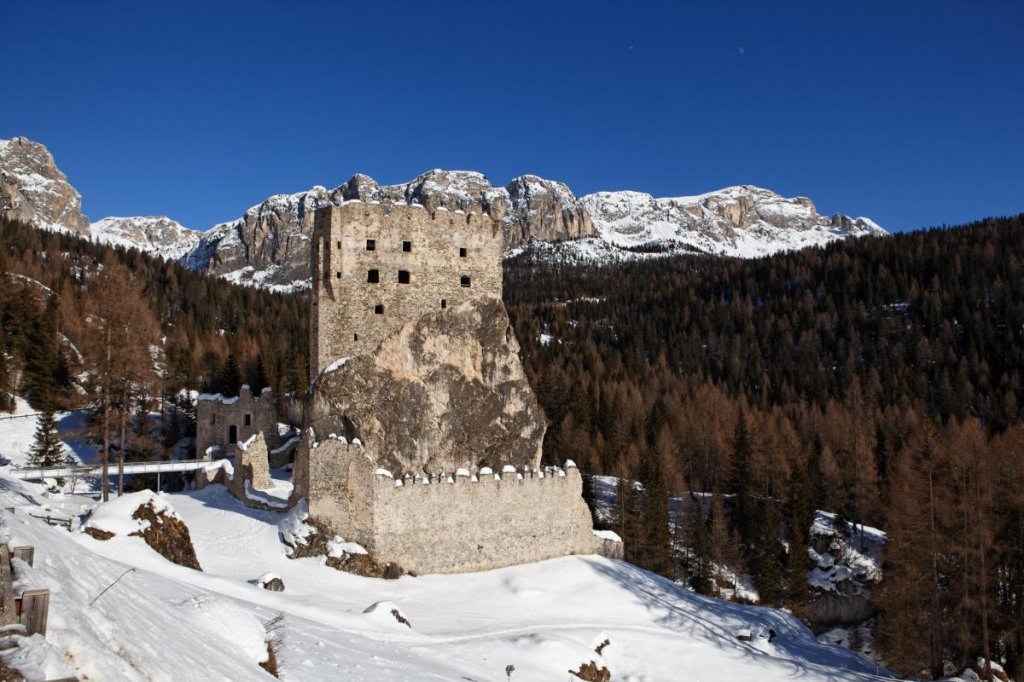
[(225, 422), (376, 267), (251, 465), (456, 522)]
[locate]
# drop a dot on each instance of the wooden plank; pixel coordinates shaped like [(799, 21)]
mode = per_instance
[(8, 611), (35, 606), (26, 554)]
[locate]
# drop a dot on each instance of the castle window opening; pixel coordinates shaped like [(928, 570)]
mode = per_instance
[(462, 252), (248, 420), (407, 246), (355, 337), (371, 244), (403, 276), (213, 419), (232, 434), (339, 244), (464, 281), (373, 276), (444, 303), (378, 309), (337, 274)]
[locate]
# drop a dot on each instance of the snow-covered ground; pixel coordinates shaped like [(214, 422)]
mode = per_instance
[(161, 621)]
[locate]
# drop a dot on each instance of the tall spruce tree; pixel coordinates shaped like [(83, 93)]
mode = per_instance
[(742, 483), (47, 448), (657, 555)]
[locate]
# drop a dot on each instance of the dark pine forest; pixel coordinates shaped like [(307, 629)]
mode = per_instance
[(878, 378)]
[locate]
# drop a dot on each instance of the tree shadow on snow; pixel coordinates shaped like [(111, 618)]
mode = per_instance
[(679, 609)]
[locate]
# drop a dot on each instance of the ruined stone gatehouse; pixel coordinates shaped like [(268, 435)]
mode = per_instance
[(377, 267), (222, 423)]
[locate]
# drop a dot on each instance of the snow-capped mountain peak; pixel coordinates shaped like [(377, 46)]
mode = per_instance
[(158, 235), (743, 221)]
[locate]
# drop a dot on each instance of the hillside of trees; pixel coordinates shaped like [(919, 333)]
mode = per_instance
[(124, 334), (878, 378)]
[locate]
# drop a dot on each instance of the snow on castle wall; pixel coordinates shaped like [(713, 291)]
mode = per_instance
[(225, 422), (454, 524)]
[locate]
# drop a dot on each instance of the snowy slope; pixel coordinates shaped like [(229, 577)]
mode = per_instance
[(157, 235), (165, 622)]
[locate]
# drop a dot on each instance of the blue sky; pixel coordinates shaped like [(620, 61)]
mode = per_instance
[(909, 113)]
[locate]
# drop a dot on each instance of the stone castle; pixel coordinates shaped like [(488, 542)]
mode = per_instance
[(417, 391)]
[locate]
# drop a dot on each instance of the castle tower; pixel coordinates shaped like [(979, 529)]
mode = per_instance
[(377, 267)]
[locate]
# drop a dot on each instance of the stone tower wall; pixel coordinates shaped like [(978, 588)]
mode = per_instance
[(352, 315)]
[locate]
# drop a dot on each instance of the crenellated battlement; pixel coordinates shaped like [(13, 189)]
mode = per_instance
[(449, 522)]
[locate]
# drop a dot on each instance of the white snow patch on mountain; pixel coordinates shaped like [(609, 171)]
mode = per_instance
[(742, 221), (157, 235)]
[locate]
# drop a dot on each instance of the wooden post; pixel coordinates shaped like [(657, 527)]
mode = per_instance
[(8, 609), (26, 554), (35, 605)]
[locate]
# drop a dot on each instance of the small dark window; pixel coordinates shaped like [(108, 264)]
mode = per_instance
[(406, 246), (213, 419), (232, 434), (248, 420), (371, 244), (355, 337), (462, 252), (337, 275), (444, 304), (373, 276), (378, 309), (403, 276), (339, 245), (464, 281)]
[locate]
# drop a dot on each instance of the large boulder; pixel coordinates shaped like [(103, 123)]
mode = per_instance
[(442, 392)]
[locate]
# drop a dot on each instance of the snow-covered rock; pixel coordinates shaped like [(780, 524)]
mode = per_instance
[(742, 221), (157, 235)]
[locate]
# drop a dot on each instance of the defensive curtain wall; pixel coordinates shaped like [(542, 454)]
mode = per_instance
[(376, 267), (457, 523)]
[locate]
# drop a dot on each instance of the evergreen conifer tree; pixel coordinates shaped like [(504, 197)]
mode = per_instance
[(47, 448), (230, 377), (742, 484), (657, 543)]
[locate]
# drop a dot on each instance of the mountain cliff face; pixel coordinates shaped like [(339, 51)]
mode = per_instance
[(34, 191)]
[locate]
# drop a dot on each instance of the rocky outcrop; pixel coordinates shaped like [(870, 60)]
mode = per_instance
[(168, 535), (34, 191), (443, 392)]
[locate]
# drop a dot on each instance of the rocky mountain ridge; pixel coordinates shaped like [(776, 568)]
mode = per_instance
[(34, 191), (268, 246)]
